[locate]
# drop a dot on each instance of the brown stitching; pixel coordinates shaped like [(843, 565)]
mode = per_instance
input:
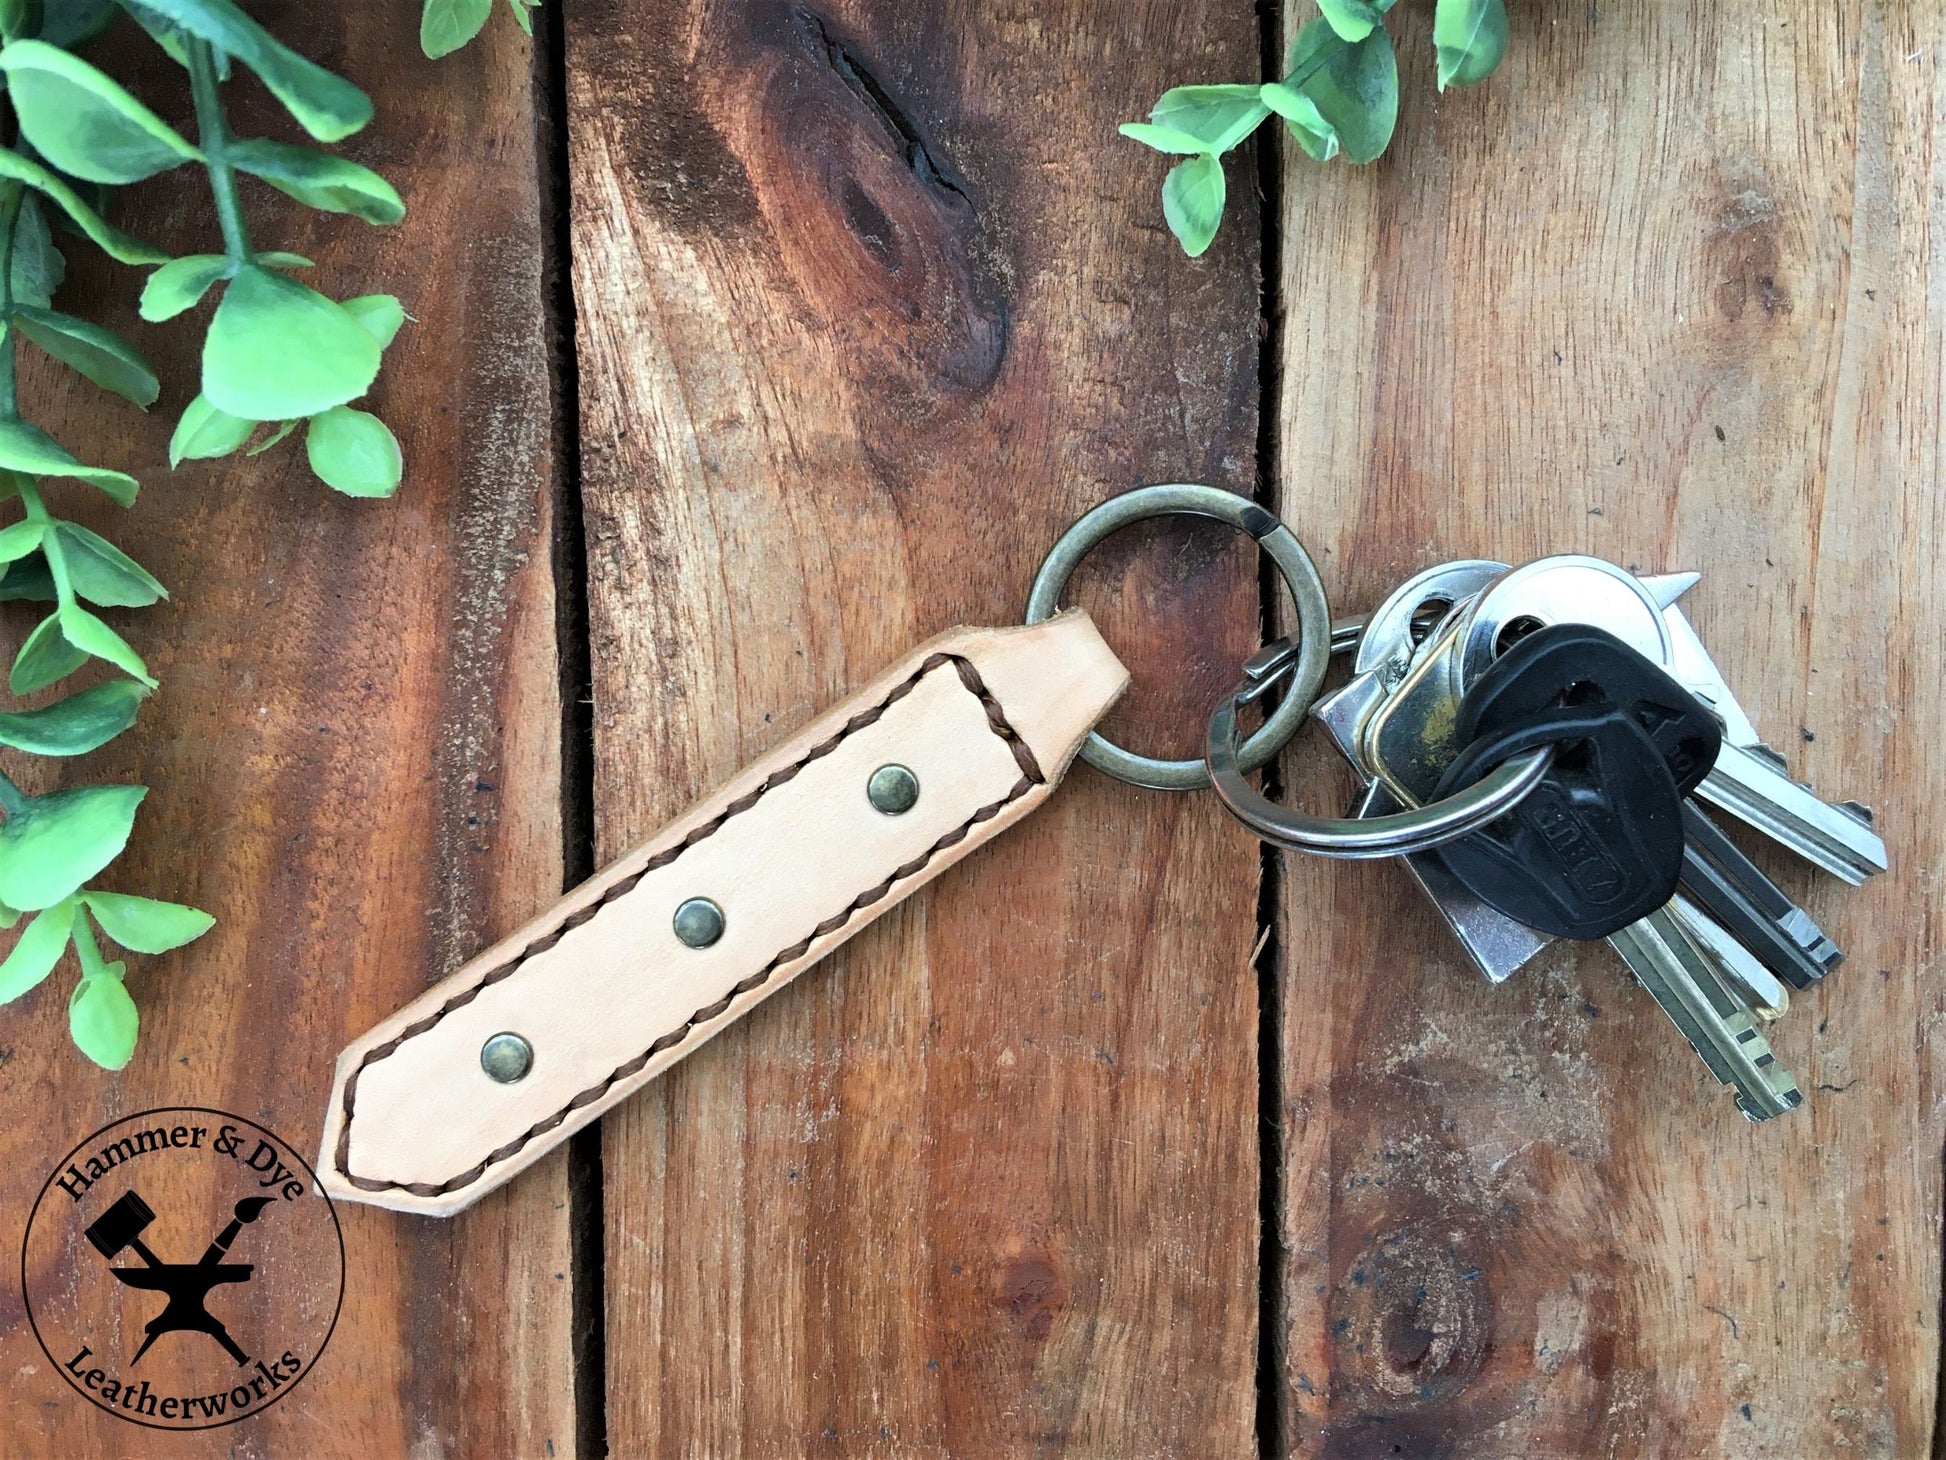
[(1031, 776)]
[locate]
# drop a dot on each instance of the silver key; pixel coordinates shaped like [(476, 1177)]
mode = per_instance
[(1688, 982), (1756, 985), (1750, 780), (1496, 943), (1395, 722), (1750, 906)]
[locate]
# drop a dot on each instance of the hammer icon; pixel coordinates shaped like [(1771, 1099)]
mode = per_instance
[(186, 1285)]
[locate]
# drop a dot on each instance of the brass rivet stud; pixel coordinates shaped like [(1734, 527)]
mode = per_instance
[(893, 789), (507, 1058), (699, 922)]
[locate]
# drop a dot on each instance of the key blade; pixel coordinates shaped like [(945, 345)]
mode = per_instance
[(1754, 909), (1682, 977), (1750, 981), (1752, 782), (1497, 945), (1750, 785)]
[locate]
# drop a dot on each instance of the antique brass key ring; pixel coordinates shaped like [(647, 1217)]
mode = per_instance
[(1298, 663)]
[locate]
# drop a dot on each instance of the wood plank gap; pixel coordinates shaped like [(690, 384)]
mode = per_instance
[(1937, 1449), (1273, 1413), (586, 1229)]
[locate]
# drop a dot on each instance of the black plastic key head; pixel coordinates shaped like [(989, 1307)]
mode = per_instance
[(1580, 664), (1597, 845)]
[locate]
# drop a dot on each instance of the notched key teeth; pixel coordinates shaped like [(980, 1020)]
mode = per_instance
[(1790, 1097), (1858, 811)]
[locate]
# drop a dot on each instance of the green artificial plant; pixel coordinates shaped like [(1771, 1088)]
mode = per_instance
[(1339, 96), (277, 354), (446, 25)]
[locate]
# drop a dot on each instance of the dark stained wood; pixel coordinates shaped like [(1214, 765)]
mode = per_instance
[(355, 757), (1663, 290), (871, 303)]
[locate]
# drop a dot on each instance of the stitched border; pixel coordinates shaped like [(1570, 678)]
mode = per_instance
[(1030, 777)]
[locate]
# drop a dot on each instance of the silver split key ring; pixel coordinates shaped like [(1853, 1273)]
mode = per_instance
[(1418, 830)]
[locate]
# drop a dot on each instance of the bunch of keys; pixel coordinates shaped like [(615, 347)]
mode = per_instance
[(1472, 664), (1536, 743)]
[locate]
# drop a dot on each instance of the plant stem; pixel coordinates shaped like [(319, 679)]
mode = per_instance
[(57, 563), (86, 949), (213, 135), (12, 198)]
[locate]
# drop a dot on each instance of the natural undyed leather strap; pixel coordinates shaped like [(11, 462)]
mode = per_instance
[(794, 853)]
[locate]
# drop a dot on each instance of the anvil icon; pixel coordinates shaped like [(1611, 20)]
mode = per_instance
[(187, 1285)]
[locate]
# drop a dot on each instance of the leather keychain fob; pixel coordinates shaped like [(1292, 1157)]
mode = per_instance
[(491, 1068), (496, 1065)]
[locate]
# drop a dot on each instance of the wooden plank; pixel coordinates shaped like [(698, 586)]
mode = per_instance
[(870, 305), (1663, 290), (355, 757)]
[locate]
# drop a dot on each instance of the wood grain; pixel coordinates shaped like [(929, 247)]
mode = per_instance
[(871, 304), (1664, 290), (354, 755)]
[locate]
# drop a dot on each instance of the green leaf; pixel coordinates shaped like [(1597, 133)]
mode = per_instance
[(54, 843), (446, 25), (36, 951), (20, 539), (328, 107), (1471, 37), (27, 580), (1351, 19), (69, 24), (44, 657), (1192, 202), (1162, 139), (81, 120), (1314, 134), (1217, 116), (354, 452), (143, 925), (102, 573), (381, 314), (125, 247), (523, 15), (276, 260), (284, 428), (102, 1018), (1355, 87), (8, 915), (100, 354), (180, 284), (38, 267), (76, 725), (25, 447), (204, 431), (277, 349), (83, 630), (319, 180)]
